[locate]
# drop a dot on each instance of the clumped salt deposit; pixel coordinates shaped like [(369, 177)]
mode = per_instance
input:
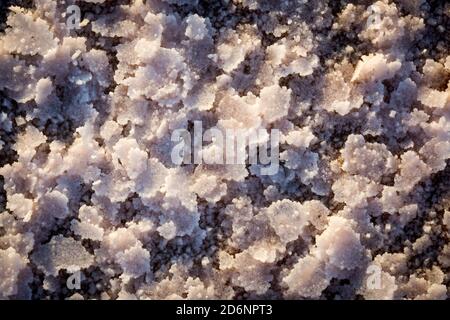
[(360, 205)]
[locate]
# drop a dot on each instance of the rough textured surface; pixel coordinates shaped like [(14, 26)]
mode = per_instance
[(360, 206)]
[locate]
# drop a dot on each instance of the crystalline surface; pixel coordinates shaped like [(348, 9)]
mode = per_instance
[(357, 92)]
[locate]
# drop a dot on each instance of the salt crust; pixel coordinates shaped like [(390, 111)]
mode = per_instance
[(11, 264), (93, 187)]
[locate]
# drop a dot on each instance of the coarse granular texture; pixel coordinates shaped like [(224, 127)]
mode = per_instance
[(359, 208)]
